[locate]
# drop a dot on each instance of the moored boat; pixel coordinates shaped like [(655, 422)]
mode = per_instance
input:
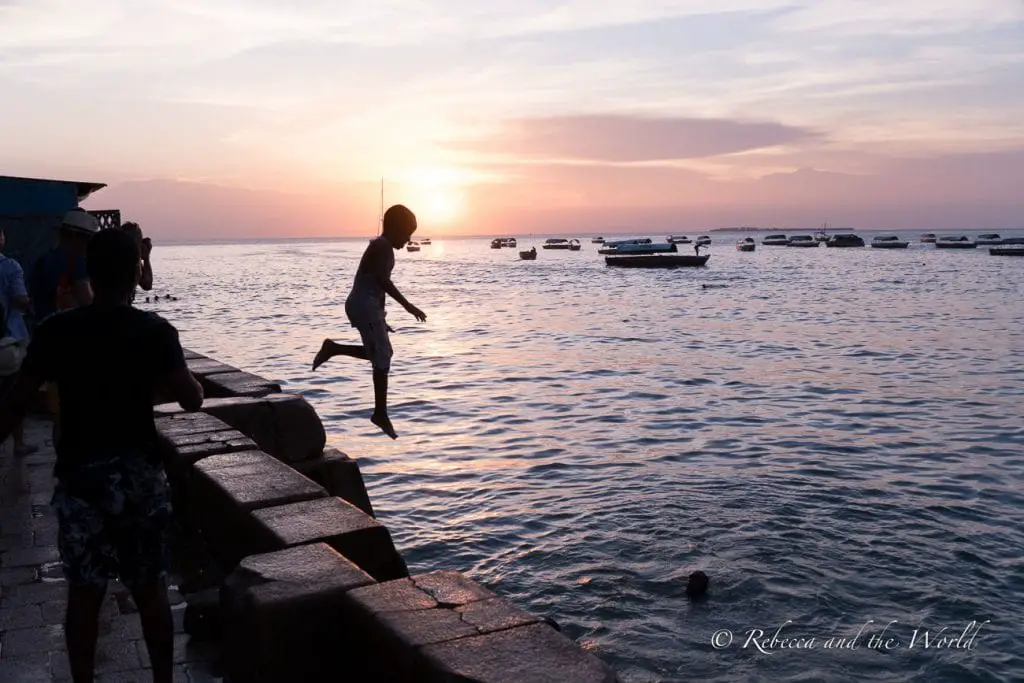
[(557, 243), (678, 239), (597, 240), (960, 242), (529, 254), (508, 241), (638, 248), (704, 240), (657, 261), (889, 242), (928, 238), (746, 244), (1007, 250), (412, 246), (803, 241), (989, 238), (574, 245), (496, 243), (425, 242), (777, 240), (845, 240)]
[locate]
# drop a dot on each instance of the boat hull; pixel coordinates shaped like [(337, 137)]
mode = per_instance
[(890, 245), (956, 245), (657, 261), (528, 255), (746, 247), (1014, 250), (563, 247), (804, 245)]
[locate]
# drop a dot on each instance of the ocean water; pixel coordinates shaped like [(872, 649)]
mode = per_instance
[(834, 436)]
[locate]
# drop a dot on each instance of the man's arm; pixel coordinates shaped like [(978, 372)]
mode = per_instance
[(183, 388), (146, 280)]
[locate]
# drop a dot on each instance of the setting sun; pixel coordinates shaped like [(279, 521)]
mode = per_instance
[(438, 195)]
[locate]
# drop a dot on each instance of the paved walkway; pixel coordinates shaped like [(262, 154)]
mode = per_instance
[(33, 593)]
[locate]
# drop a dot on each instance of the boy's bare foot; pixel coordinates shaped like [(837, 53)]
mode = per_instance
[(323, 355), (384, 422)]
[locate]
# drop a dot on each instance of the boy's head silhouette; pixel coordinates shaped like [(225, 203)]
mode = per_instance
[(113, 263), (399, 225)]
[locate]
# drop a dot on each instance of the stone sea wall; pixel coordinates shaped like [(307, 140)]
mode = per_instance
[(285, 565)]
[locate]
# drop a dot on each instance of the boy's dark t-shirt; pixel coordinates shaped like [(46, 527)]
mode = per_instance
[(108, 363)]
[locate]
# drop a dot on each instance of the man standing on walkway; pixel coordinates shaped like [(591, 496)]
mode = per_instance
[(108, 360)]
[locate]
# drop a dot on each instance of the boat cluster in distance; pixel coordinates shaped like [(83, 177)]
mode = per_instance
[(1011, 246)]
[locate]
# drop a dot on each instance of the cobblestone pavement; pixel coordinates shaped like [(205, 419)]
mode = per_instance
[(33, 593)]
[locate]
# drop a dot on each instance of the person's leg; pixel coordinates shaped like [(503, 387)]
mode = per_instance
[(85, 552), (380, 403), (81, 629), (330, 349), (157, 628), (143, 553), (378, 344)]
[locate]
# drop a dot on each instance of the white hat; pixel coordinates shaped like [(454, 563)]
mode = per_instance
[(80, 220)]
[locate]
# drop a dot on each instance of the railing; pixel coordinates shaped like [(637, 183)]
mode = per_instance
[(110, 218)]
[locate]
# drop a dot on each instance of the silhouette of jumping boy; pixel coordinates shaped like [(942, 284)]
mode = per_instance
[(365, 309)]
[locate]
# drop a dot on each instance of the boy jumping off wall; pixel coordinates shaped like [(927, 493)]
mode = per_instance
[(365, 309)]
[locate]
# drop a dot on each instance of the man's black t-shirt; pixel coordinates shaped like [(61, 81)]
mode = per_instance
[(108, 362)]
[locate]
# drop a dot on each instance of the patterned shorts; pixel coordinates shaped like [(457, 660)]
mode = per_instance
[(114, 520)]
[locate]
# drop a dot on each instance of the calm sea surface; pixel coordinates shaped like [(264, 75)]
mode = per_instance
[(835, 436)]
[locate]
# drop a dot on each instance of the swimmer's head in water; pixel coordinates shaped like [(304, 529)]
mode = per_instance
[(399, 225)]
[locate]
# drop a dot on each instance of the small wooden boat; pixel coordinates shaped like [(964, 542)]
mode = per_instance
[(425, 241), (844, 240), (637, 248), (558, 243), (960, 242), (574, 245), (803, 241), (597, 240), (529, 255), (1008, 250), (928, 238), (989, 238), (657, 261), (678, 239), (746, 244), (889, 242), (775, 241), (508, 241), (497, 243), (704, 240), (412, 246)]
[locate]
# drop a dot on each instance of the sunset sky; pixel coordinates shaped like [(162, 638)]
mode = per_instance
[(226, 118)]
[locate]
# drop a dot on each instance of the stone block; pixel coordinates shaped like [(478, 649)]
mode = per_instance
[(226, 488), (283, 615), (340, 475), (180, 422), (533, 653), (238, 383), (399, 620), (193, 355), (202, 367), (339, 524), (283, 425)]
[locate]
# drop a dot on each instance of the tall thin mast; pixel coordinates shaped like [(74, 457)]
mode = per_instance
[(380, 216)]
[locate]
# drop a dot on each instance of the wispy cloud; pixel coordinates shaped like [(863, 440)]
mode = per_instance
[(617, 138)]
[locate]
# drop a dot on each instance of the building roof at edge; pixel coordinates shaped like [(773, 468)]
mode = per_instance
[(83, 189)]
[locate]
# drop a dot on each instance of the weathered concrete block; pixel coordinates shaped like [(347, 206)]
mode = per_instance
[(201, 367), (340, 475), (399, 620), (535, 653), (283, 425), (226, 488), (238, 383), (284, 618), (339, 524), (180, 422), (193, 355)]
